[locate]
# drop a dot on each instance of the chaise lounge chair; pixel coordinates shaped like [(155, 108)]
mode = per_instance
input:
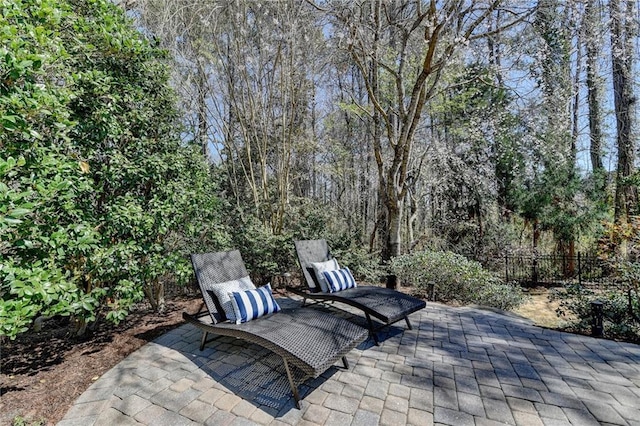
[(386, 305), (306, 338)]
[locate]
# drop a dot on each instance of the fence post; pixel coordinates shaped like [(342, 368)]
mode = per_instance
[(579, 270), (506, 267)]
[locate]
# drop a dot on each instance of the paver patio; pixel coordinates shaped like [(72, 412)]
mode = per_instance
[(458, 366)]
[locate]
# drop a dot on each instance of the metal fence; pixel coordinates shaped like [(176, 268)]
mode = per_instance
[(538, 269), (527, 269)]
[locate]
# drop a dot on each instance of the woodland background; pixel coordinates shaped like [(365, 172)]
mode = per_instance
[(136, 133)]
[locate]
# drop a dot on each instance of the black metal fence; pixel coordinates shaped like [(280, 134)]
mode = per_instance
[(525, 268), (538, 269)]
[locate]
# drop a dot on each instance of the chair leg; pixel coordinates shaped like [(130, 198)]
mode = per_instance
[(204, 340), (372, 333), (408, 323), (345, 362), (294, 389)]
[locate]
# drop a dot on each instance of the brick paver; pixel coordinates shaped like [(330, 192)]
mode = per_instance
[(458, 366)]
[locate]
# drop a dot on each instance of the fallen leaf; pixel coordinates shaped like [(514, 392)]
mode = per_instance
[(84, 166)]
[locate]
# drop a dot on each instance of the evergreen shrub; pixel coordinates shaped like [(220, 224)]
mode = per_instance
[(100, 199), (618, 308), (454, 278)]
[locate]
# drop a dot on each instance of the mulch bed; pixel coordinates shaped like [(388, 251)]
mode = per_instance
[(43, 373)]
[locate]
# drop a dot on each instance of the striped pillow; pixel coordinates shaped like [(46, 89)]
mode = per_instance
[(340, 279), (320, 267), (252, 304), (222, 292)]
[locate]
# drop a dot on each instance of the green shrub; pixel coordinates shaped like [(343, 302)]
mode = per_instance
[(455, 278), (309, 220), (265, 254), (100, 200), (618, 309), (619, 246), (365, 266), (497, 294)]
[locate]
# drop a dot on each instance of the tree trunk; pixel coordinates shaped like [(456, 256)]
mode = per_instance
[(409, 81), (568, 251), (203, 128), (593, 91), (383, 228), (573, 150), (622, 54), (536, 238), (394, 210)]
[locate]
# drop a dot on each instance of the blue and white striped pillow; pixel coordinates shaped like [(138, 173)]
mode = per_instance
[(320, 267), (252, 304), (340, 279)]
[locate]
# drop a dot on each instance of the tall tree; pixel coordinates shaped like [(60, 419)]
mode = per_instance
[(592, 29), (266, 67), (554, 207), (475, 140), (404, 47), (623, 36), (186, 29), (246, 71)]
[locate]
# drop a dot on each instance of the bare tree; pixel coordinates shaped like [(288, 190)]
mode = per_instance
[(404, 47), (245, 71), (353, 104), (265, 70), (186, 29)]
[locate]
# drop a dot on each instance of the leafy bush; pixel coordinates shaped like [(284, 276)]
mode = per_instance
[(618, 309), (455, 278), (265, 254), (21, 421), (619, 245), (310, 220), (364, 265), (44, 235), (100, 201), (621, 299)]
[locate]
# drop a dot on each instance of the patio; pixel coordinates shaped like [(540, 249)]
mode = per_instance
[(458, 366)]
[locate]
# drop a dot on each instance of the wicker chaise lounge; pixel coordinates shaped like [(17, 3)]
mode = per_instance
[(386, 305), (306, 338)]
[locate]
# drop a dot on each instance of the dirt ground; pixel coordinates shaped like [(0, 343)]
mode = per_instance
[(540, 309), (42, 374)]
